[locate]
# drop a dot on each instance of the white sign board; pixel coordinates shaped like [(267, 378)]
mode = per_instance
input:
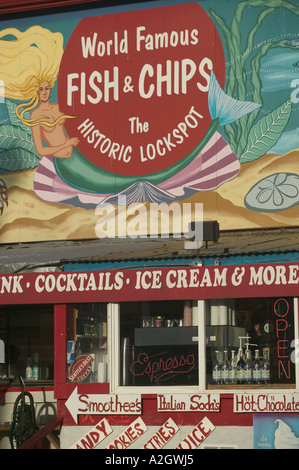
[(188, 402), (129, 435), (93, 437), (98, 404), (162, 436), (197, 435), (266, 403)]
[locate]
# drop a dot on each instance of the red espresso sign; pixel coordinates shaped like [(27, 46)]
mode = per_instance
[(156, 369), (138, 83)]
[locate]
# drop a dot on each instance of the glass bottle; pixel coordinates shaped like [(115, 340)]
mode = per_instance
[(265, 367), (248, 368), (232, 368), (35, 368), (92, 326), (159, 322), (28, 369), (240, 367), (224, 369), (217, 370), (257, 368)]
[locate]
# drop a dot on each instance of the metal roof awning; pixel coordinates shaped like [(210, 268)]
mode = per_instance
[(52, 255), (43, 256)]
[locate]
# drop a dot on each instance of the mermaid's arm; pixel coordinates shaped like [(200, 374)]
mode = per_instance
[(52, 149)]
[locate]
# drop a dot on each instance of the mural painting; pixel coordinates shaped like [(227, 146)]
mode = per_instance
[(275, 431), (182, 102)]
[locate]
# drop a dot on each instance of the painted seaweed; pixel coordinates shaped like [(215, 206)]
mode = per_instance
[(248, 137)]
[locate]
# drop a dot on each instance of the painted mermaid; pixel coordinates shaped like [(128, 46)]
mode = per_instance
[(41, 51), (51, 130)]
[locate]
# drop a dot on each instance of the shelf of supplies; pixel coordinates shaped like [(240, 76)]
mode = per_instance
[(102, 339), (250, 386), (90, 336)]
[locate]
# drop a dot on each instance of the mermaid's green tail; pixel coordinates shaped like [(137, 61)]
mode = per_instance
[(80, 173)]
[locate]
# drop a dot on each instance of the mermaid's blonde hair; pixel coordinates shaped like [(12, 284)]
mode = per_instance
[(27, 59)]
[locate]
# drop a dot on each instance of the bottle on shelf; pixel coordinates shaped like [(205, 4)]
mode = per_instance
[(217, 370), (232, 368), (35, 368), (265, 367), (28, 373), (257, 368), (248, 367), (240, 366), (224, 369), (92, 326)]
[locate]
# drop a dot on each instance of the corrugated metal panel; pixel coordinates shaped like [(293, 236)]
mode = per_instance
[(232, 248), (31, 256), (285, 257), (131, 264), (271, 257)]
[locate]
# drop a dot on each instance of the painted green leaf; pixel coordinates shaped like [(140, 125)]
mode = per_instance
[(266, 132), (14, 137), (15, 121), (18, 159)]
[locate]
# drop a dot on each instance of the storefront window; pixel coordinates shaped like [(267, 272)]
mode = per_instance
[(28, 335), (158, 343), (225, 343), (87, 343), (249, 342)]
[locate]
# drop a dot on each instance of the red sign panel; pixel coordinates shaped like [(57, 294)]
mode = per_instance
[(139, 86), (199, 282)]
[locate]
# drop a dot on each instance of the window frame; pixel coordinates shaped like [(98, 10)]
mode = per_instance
[(116, 388), (202, 387), (12, 379)]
